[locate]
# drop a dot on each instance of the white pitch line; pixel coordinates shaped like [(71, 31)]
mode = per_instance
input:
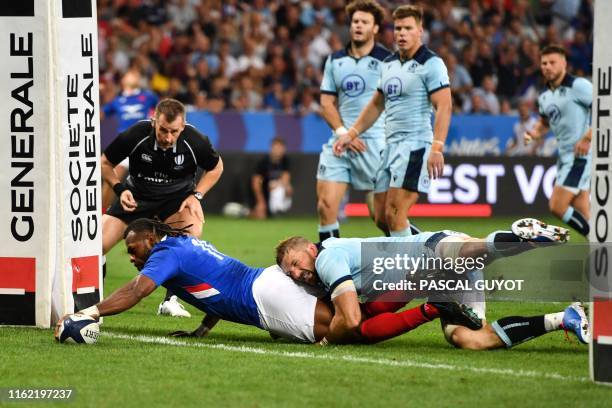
[(346, 357)]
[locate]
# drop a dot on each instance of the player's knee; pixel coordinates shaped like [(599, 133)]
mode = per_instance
[(556, 208), (323, 206)]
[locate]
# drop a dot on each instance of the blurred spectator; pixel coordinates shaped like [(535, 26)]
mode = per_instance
[(271, 183), (460, 81), (286, 41), (487, 101)]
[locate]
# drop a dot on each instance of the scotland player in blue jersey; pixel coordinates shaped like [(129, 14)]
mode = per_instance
[(221, 286), (350, 78), (337, 265), (565, 108), (413, 80)]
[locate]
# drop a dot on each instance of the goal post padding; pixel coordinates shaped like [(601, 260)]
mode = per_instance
[(50, 257)]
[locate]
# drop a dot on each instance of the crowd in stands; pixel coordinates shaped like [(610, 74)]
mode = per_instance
[(268, 55)]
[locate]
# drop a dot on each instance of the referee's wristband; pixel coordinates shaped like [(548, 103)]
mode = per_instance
[(119, 188)]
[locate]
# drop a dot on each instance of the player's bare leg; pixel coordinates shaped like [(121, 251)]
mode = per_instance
[(510, 331), (112, 232), (561, 205), (379, 212), (581, 202), (329, 196), (184, 218), (397, 205)]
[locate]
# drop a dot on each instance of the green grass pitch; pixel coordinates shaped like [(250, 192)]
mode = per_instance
[(133, 364)]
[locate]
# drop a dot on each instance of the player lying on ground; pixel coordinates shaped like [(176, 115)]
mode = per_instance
[(220, 286), (335, 264), (223, 287)]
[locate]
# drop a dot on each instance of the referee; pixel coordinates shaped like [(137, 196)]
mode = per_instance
[(165, 154)]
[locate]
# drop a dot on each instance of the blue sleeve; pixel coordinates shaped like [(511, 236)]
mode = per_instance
[(333, 267), (162, 265), (153, 100), (436, 76), (583, 91), (327, 84), (109, 108), (541, 109)]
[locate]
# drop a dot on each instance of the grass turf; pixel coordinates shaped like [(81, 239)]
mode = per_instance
[(242, 366)]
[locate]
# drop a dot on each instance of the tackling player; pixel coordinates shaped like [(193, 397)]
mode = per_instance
[(215, 283), (165, 154), (412, 80), (336, 264), (349, 81), (565, 108)]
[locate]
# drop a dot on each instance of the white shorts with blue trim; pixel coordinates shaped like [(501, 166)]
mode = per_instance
[(356, 169), (404, 166)]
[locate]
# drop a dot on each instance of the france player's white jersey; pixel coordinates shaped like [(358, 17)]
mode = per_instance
[(354, 81), (406, 86), (567, 110)]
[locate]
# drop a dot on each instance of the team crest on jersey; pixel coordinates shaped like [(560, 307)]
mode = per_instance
[(413, 66), (373, 65), (563, 91), (553, 113), (179, 159), (146, 158)]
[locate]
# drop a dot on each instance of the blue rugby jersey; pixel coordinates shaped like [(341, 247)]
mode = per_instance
[(567, 110), (205, 278), (131, 108), (353, 81), (406, 86)]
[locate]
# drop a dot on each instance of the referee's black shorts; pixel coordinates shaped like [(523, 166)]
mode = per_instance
[(149, 208)]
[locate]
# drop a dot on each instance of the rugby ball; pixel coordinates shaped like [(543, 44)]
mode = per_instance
[(77, 329)]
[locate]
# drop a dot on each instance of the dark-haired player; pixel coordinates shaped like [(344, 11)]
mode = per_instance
[(565, 108), (349, 80), (221, 286), (165, 154), (412, 81)]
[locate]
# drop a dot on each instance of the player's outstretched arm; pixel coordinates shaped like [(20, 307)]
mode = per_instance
[(366, 118), (344, 327), (123, 298)]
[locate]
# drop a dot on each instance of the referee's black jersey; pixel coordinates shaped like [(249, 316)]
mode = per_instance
[(156, 173)]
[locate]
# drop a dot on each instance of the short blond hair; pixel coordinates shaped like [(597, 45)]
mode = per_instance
[(289, 244)]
